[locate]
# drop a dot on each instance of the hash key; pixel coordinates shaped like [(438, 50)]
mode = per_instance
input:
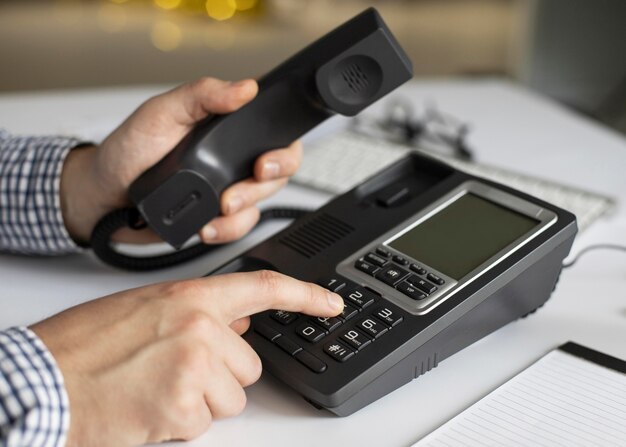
[(338, 351)]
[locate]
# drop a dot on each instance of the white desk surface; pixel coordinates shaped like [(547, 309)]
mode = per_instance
[(511, 127)]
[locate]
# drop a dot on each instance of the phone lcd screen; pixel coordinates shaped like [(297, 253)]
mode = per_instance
[(463, 235)]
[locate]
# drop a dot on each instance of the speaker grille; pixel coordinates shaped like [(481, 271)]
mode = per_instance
[(355, 78), (316, 235)]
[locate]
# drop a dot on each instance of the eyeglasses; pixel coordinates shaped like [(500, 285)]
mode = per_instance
[(431, 129)]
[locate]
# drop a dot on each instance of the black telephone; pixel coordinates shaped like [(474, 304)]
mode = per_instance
[(343, 72), (428, 260)]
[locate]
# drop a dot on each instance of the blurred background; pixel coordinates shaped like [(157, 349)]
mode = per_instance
[(571, 50)]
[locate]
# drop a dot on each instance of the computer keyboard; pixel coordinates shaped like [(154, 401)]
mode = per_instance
[(339, 162)]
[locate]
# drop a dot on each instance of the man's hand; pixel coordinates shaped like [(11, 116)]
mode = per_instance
[(160, 362), (95, 180)]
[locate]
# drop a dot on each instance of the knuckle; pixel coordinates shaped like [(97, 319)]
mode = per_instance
[(234, 405), (269, 281), (196, 325)]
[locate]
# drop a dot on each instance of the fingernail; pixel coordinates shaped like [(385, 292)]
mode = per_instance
[(209, 233), (335, 301), (237, 84), (234, 204), (271, 169)]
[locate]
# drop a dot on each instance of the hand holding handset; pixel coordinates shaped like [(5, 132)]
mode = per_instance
[(343, 72)]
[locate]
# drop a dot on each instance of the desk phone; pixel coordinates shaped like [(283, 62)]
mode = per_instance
[(428, 260)]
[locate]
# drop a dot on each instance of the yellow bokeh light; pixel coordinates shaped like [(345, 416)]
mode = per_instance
[(221, 9), (242, 5), (166, 36), (167, 4)]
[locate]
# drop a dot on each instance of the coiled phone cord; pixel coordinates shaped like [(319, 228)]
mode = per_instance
[(129, 217)]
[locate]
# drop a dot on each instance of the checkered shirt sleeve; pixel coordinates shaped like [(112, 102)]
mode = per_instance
[(34, 407), (30, 208)]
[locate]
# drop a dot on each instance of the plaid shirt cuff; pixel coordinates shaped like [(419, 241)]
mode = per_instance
[(31, 221), (34, 407)]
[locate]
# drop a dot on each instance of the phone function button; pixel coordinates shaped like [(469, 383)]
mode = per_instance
[(366, 267), (355, 338), (359, 297), (436, 279), (422, 284), (418, 269), (283, 317), (311, 362), (411, 291), (266, 331), (392, 275), (331, 283), (372, 327), (382, 251), (373, 258), (310, 332), (287, 345), (329, 324), (338, 351), (400, 260), (387, 316)]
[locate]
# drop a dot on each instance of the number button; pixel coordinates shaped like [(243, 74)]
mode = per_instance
[(357, 339), (331, 283), (326, 323), (387, 316), (359, 297), (348, 312), (310, 332), (372, 327)]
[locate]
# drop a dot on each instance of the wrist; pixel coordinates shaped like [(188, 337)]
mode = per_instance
[(81, 204)]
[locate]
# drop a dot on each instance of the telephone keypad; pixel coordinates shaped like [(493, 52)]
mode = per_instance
[(348, 343)]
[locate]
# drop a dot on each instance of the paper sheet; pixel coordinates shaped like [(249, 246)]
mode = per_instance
[(561, 400)]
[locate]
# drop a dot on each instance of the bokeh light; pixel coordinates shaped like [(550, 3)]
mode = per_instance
[(167, 4), (166, 35), (243, 5), (221, 9)]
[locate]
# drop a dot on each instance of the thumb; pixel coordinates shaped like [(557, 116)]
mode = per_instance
[(244, 294)]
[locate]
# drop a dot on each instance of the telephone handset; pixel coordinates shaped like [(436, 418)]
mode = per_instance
[(341, 73)]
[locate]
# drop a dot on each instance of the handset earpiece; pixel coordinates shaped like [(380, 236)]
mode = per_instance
[(343, 72)]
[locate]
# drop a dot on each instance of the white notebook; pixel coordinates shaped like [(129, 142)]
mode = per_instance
[(573, 396)]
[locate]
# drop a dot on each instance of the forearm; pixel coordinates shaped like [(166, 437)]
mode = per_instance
[(31, 219), (34, 408)]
